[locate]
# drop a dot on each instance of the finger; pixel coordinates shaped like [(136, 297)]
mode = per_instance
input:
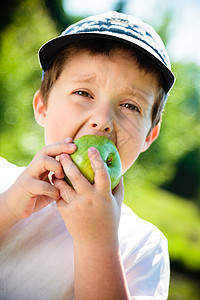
[(66, 192), (118, 192), (38, 187), (43, 164), (43, 201), (64, 146), (101, 178), (80, 184)]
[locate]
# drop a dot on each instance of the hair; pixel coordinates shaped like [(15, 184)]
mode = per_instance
[(106, 47)]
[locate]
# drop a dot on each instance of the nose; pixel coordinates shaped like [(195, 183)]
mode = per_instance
[(102, 120)]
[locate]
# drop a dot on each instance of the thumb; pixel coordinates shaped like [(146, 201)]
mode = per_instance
[(118, 192)]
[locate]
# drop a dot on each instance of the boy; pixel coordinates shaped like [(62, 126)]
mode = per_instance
[(106, 75)]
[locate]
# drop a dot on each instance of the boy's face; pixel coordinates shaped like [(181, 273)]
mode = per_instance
[(101, 95)]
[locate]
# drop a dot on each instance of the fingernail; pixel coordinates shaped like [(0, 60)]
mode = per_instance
[(92, 150), (71, 145), (69, 139), (62, 156)]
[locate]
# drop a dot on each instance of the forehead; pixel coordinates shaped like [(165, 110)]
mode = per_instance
[(112, 49), (121, 61), (120, 56), (106, 52)]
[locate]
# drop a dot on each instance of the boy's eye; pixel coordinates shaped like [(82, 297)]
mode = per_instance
[(83, 94), (130, 106)]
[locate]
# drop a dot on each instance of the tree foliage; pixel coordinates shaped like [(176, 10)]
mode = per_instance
[(20, 76), (7, 12)]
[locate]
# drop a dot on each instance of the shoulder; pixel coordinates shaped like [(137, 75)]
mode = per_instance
[(8, 173)]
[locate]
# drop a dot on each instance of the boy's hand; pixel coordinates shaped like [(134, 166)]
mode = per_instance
[(32, 190), (91, 212)]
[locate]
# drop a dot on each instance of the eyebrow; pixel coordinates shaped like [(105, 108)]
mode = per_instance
[(136, 91), (85, 78)]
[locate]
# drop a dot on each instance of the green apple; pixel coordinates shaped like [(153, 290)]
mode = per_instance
[(108, 152)]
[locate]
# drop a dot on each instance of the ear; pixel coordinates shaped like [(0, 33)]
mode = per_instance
[(39, 109), (151, 137)]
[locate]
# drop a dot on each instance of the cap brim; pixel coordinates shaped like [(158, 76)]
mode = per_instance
[(51, 48)]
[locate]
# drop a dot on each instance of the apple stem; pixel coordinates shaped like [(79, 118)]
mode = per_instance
[(109, 160)]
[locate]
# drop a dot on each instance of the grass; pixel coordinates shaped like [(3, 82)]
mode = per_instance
[(179, 220), (183, 287), (176, 217)]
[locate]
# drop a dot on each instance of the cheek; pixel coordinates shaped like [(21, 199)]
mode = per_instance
[(130, 146), (53, 133), (55, 127), (62, 122)]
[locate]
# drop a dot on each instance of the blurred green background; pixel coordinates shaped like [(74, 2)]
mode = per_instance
[(163, 185)]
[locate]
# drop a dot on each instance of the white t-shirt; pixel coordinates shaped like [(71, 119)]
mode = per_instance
[(36, 257)]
